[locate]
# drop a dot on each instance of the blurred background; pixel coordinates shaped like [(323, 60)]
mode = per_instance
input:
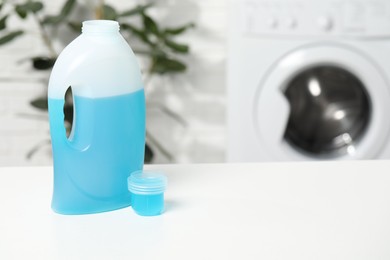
[(225, 81), (186, 90), (308, 80)]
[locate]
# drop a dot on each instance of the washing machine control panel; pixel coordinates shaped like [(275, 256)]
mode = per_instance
[(310, 17)]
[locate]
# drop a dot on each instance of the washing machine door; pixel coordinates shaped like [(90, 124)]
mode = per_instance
[(323, 102)]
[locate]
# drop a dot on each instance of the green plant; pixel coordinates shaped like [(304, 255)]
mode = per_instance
[(158, 44)]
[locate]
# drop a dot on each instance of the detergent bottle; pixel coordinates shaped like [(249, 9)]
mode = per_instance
[(107, 139)]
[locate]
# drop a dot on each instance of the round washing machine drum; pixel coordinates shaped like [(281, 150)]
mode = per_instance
[(323, 102)]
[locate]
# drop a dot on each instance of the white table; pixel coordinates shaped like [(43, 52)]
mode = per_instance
[(334, 210)]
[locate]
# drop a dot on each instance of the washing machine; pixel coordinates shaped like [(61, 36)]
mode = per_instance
[(308, 80)]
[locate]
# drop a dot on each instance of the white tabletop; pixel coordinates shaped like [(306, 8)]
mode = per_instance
[(334, 210)]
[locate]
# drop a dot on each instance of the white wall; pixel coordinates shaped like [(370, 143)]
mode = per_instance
[(198, 95)]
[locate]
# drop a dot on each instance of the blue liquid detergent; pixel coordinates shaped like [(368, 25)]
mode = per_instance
[(148, 204), (106, 144)]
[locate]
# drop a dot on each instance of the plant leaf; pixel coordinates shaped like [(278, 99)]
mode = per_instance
[(137, 10), (109, 13), (75, 26), (3, 21), (52, 19), (65, 11), (165, 65), (177, 47), (150, 25), (10, 36), (149, 154), (67, 8), (31, 6), (138, 33), (155, 52), (21, 11), (40, 103), (178, 30), (68, 113), (43, 63)]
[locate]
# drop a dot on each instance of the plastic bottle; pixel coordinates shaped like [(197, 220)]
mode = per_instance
[(107, 140)]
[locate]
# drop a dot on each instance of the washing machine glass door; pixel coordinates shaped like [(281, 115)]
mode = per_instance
[(323, 102), (329, 110)]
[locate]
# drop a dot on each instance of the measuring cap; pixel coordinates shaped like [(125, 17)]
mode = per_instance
[(147, 192)]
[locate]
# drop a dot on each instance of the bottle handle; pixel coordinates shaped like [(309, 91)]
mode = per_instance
[(56, 118)]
